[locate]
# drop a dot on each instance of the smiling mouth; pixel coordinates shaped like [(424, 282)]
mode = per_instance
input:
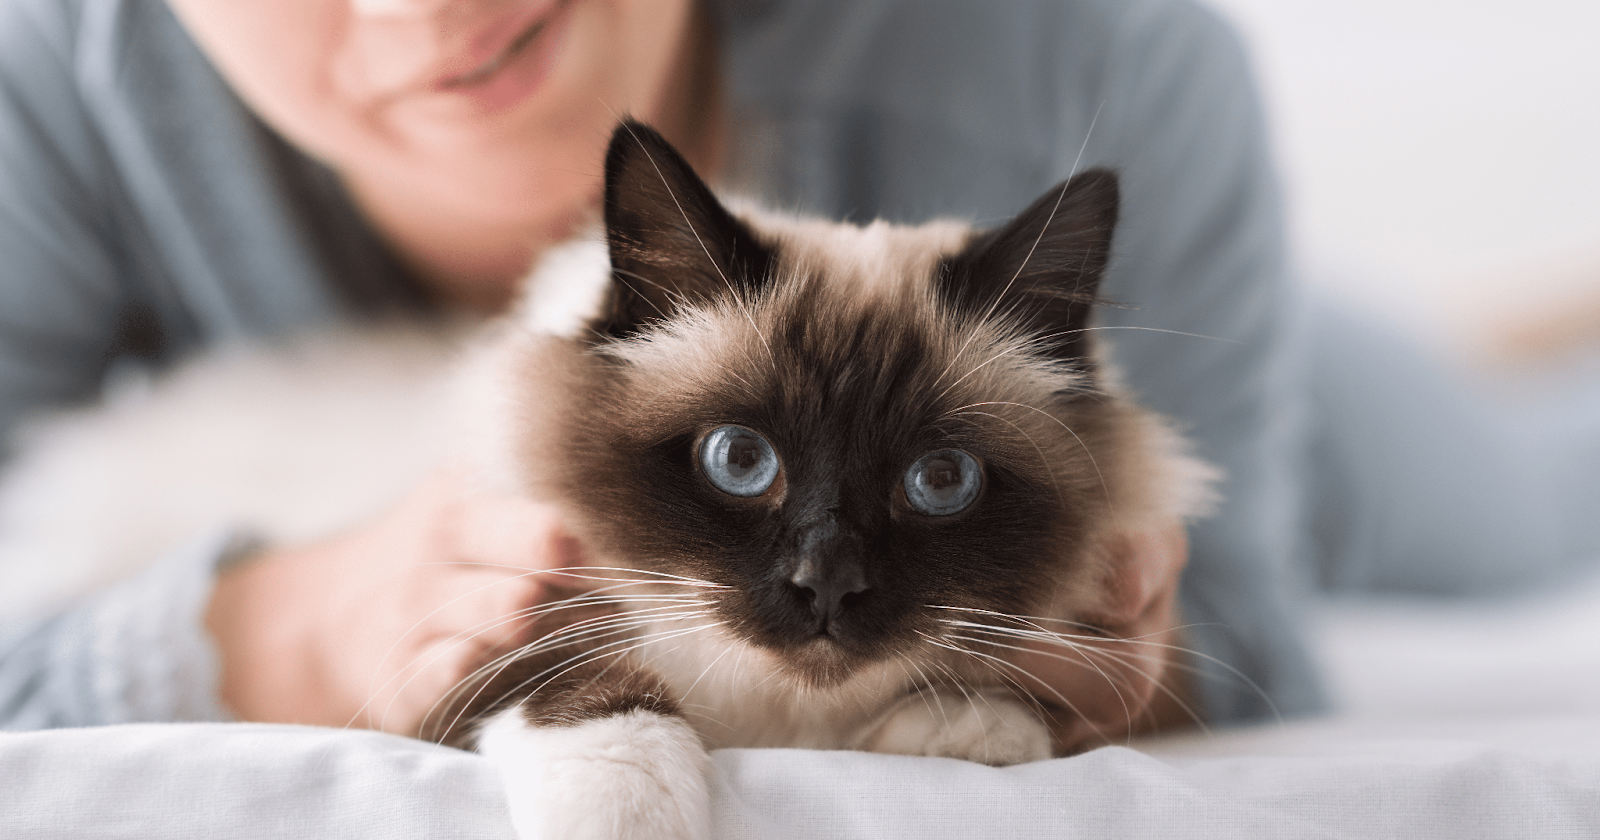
[(504, 57)]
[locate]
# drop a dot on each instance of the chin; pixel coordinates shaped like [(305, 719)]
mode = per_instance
[(820, 664)]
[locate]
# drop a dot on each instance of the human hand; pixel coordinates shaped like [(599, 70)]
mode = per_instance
[(373, 627), (1104, 691)]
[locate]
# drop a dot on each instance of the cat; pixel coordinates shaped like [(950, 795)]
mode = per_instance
[(828, 478), (831, 474)]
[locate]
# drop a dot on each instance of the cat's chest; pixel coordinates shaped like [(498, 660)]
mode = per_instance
[(736, 695)]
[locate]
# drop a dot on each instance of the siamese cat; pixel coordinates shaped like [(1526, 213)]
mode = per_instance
[(829, 478), (833, 475)]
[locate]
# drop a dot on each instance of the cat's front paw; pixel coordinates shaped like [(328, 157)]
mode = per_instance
[(637, 775), (977, 726)]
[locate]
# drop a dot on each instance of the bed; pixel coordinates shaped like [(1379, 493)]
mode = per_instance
[(1458, 720)]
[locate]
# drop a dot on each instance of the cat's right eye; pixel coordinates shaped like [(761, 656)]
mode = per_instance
[(737, 461), (943, 483)]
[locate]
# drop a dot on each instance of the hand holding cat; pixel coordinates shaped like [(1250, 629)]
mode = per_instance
[(372, 627), (1127, 684)]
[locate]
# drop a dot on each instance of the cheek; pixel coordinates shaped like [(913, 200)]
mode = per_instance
[(622, 56), (280, 56)]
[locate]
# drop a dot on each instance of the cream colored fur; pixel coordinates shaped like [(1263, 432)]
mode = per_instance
[(288, 444)]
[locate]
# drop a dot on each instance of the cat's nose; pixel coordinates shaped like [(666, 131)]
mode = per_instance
[(829, 585), (829, 567)]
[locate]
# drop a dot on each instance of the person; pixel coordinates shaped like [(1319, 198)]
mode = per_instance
[(178, 175)]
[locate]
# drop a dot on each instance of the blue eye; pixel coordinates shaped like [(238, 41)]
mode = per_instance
[(737, 461), (944, 482)]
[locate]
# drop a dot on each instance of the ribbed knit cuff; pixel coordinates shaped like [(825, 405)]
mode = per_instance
[(144, 641)]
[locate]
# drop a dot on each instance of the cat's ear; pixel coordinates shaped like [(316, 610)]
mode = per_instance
[(1043, 267), (671, 241)]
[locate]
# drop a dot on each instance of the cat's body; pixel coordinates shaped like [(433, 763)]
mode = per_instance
[(829, 478)]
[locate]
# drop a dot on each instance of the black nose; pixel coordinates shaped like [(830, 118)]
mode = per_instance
[(829, 584), (830, 568)]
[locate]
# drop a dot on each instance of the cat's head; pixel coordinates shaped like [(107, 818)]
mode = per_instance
[(855, 434)]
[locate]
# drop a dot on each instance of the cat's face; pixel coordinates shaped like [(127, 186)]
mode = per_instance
[(855, 434)]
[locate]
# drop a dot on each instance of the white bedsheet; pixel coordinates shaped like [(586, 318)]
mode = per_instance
[(1463, 721), (203, 781)]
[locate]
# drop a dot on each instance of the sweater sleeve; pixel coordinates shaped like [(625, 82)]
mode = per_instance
[(59, 295), (137, 652)]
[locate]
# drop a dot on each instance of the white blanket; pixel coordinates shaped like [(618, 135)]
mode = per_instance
[(1494, 779), (1464, 721)]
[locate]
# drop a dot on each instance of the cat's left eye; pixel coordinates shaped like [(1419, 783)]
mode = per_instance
[(737, 461), (943, 483)]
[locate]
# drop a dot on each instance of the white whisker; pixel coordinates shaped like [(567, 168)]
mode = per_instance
[(567, 665), (1054, 483), (1058, 421), (611, 625)]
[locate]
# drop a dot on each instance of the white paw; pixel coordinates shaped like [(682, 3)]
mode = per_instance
[(990, 728), (633, 776)]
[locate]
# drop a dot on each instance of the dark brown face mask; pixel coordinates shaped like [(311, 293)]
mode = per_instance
[(863, 455)]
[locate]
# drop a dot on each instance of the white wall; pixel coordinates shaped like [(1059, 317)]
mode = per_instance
[(1442, 158)]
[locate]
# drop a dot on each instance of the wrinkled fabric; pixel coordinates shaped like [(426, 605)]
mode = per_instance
[(183, 781)]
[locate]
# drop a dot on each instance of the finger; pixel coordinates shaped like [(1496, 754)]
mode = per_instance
[(1160, 557), (515, 534), (1144, 574), (489, 608), (1106, 701), (1104, 682), (1104, 689)]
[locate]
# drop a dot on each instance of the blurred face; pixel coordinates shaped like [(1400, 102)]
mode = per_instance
[(490, 110)]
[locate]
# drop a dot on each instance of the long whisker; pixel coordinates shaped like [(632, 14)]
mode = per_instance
[(612, 624), (672, 294), (1106, 488), (610, 649), (926, 687), (564, 667), (1135, 327), (744, 309), (712, 664), (1009, 350), (1060, 197), (1054, 483), (595, 598), (615, 622), (1127, 710), (993, 662), (689, 223), (1121, 659), (1049, 636), (674, 196), (526, 615), (586, 573)]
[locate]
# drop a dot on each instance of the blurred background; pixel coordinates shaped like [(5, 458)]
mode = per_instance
[(1442, 162)]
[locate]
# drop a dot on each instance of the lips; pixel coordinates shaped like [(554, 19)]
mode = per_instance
[(496, 44)]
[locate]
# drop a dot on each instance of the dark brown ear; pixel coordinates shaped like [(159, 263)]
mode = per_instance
[(1043, 268), (671, 241)]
